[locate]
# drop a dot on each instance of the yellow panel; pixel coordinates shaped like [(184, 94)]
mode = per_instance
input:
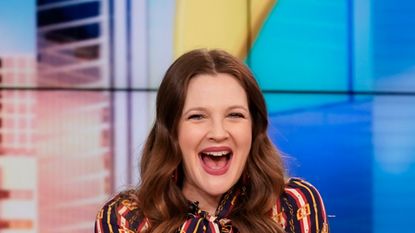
[(259, 10), (218, 24)]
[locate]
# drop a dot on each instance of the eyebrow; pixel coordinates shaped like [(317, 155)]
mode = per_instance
[(238, 107)]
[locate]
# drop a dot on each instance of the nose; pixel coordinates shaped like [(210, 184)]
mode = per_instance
[(218, 131)]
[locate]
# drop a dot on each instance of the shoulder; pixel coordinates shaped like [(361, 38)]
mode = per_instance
[(300, 208), (120, 214), (302, 192)]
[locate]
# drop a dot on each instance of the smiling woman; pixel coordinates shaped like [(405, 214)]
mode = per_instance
[(208, 164), (214, 137)]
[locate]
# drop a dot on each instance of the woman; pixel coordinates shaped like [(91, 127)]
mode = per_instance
[(208, 164)]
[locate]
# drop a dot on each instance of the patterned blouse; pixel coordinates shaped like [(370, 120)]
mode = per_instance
[(299, 209)]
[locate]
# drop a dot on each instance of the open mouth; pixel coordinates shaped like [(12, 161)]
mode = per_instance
[(216, 162)]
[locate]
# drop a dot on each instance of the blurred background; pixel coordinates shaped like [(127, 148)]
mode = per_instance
[(78, 80)]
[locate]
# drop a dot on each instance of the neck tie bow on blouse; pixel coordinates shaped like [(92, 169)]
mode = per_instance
[(199, 221)]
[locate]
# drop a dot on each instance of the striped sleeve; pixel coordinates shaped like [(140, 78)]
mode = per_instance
[(300, 209), (119, 215)]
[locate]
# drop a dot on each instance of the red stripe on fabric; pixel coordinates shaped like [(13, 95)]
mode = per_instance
[(99, 225), (284, 216), (122, 212), (186, 226), (292, 194), (142, 225), (306, 202), (278, 204), (118, 218), (212, 227)]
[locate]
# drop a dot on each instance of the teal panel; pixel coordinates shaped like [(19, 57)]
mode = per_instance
[(303, 45), (17, 27)]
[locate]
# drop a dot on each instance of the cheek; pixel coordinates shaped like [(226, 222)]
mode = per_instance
[(243, 134), (245, 141), (189, 138)]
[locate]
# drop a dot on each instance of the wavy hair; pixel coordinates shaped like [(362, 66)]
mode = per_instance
[(159, 196)]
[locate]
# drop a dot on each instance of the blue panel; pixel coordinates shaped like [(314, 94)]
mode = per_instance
[(361, 156), (332, 147), (394, 45), (394, 36), (394, 163)]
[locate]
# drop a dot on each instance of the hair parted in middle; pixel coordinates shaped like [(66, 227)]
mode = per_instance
[(159, 197)]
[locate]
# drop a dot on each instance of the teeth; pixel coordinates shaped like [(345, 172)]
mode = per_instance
[(217, 153)]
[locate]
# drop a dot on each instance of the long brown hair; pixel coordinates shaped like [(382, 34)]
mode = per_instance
[(159, 196)]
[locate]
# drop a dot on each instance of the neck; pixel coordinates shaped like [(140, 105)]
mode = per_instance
[(207, 202)]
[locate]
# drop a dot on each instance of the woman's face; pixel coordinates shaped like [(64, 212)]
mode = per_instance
[(215, 134)]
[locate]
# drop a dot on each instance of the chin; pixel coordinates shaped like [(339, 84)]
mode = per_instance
[(215, 187)]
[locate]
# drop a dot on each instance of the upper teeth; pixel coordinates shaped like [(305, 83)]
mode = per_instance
[(217, 153)]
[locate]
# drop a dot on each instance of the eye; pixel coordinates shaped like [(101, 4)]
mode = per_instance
[(236, 115), (196, 117)]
